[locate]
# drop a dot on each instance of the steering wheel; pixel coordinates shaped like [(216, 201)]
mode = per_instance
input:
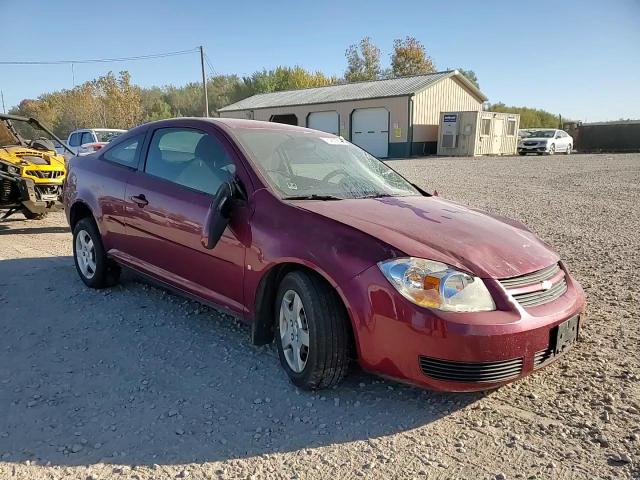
[(330, 175)]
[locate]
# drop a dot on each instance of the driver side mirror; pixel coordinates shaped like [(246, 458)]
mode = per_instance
[(218, 216)]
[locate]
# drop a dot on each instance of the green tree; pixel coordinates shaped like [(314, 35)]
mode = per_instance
[(471, 76), (154, 104), (281, 78), (409, 57), (530, 117), (363, 61)]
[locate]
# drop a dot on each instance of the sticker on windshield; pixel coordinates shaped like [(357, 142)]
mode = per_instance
[(292, 186), (334, 140)]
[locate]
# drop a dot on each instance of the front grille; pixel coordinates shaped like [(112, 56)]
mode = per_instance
[(542, 356), (540, 295), (530, 144), (44, 173), (531, 278), (470, 372)]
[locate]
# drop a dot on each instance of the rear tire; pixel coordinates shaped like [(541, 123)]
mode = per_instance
[(312, 332), (96, 270), (33, 216)]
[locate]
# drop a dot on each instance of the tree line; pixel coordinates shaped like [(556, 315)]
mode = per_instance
[(113, 101)]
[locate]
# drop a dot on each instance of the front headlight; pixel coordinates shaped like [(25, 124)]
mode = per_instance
[(436, 285)]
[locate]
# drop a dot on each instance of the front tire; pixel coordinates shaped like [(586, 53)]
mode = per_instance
[(552, 149), (312, 332), (96, 270), (569, 147)]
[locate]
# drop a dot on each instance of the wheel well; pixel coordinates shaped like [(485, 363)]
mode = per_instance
[(79, 211), (262, 331)]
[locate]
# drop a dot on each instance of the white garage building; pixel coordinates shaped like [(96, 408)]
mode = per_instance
[(397, 117)]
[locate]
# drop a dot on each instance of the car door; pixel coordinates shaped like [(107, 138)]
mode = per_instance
[(559, 141), (107, 181), (167, 203)]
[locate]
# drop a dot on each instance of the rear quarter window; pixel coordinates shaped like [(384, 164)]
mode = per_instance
[(126, 152)]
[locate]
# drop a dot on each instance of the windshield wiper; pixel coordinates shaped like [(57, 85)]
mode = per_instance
[(313, 196), (376, 195)]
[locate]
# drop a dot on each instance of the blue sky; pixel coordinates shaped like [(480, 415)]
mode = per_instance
[(578, 58)]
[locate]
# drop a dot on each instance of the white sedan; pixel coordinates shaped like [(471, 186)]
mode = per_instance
[(544, 141)]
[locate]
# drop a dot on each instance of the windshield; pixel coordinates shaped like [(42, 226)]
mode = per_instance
[(298, 164), (541, 133), (6, 136), (107, 135)]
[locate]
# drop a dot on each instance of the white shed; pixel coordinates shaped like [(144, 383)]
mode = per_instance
[(475, 132), (394, 117)]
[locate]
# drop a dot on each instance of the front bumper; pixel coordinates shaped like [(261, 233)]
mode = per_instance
[(37, 198), (451, 351), (539, 148)]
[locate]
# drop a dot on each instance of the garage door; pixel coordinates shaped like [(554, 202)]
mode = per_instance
[(324, 121), (370, 130)]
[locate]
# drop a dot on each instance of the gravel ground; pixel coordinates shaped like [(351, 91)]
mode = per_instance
[(137, 383)]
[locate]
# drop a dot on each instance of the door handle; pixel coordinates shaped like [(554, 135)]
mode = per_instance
[(139, 200)]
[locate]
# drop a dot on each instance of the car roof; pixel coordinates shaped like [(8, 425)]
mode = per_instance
[(244, 124)]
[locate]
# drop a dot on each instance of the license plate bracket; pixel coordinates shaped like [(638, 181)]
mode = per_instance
[(566, 334)]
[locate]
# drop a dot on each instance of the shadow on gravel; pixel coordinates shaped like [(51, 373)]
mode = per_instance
[(137, 375)]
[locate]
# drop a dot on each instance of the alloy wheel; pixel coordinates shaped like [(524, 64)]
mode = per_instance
[(85, 254), (294, 331)]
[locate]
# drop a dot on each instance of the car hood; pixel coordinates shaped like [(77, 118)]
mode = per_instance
[(430, 227), (25, 156)]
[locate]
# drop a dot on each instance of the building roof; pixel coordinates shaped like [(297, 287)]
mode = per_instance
[(392, 87)]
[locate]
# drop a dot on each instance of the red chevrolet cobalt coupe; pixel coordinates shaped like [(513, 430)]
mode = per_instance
[(317, 244)]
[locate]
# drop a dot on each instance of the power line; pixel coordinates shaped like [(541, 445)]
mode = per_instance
[(206, 59), (102, 60)]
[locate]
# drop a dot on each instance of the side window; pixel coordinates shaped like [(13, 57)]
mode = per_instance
[(87, 137), (74, 140), (485, 126), (511, 127), (125, 153), (189, 157)]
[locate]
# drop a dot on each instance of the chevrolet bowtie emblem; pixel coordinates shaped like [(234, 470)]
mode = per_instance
[(546, 285)]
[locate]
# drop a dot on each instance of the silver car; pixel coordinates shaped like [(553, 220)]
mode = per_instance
[(544, 141)]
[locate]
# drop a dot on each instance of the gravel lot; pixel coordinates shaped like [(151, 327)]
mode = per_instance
[(135, 382)]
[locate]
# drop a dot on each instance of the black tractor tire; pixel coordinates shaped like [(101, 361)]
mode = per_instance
[(327, 360), (107, 272)]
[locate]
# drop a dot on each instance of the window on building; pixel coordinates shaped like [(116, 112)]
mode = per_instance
[(511, 127), (485, 127)]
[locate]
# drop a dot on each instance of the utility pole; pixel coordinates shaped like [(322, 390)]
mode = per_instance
[(204, 83), (4, 110)]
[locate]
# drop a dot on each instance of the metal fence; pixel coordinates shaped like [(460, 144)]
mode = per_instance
[(608, 137)]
